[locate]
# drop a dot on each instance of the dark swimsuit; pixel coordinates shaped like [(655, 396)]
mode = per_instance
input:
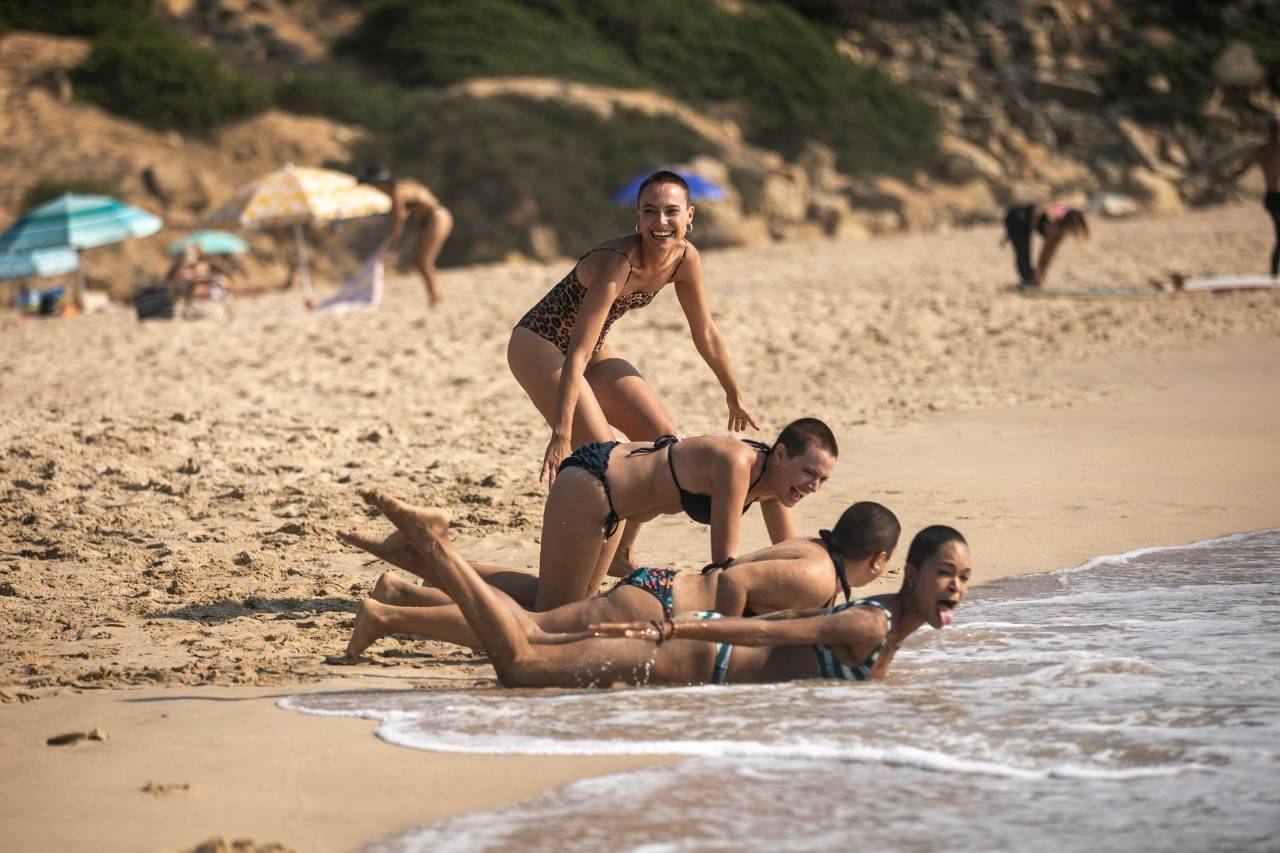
[(1018, 227), (594, 458), (554, 315)]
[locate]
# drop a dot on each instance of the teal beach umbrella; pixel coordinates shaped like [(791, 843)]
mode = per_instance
[(76, 222), (211, 243), (79, 222), (38, 262)]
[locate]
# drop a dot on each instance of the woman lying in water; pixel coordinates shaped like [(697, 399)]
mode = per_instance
[(854, 641), (793, 575), (712, 479)]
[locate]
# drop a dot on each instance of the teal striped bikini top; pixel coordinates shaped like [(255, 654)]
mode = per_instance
[(829, 667)]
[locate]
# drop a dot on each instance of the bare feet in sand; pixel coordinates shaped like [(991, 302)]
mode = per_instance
[(394, 549), (369, 628), (421, 526)]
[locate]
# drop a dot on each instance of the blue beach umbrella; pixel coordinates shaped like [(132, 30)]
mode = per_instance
[(80, 222), (211, 243), (700, 188), (38, 262), (76, 222)]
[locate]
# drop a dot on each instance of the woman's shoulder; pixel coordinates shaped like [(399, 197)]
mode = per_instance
[(607, 257)]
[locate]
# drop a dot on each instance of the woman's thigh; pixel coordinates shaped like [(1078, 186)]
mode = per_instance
[(434, 232), (572, 537), (536, 363), (626, 399)]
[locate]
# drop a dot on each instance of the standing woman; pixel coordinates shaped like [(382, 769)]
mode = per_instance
[(434, 222), (557, 351), (1052, 222)]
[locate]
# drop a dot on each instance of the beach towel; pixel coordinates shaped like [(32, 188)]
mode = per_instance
[(362, 290)]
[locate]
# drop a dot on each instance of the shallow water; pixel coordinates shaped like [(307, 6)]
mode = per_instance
[(1130, 703)]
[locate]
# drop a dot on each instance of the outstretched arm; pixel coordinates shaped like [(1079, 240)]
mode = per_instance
[(778, 521), (708, 340), (858, 628), (399, 216), (603, 281), (1047, 251)]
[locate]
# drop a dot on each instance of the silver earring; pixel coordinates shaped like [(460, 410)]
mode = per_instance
[(688, 228), (637, 227)]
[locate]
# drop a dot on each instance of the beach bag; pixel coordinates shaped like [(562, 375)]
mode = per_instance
[(153, 303)]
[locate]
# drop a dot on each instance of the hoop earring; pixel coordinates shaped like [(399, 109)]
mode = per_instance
[(688, 227), (636, 227)]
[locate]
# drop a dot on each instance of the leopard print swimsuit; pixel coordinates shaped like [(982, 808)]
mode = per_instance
[(553, 316)]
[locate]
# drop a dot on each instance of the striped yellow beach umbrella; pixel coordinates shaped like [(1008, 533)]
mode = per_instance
[(299, 195)]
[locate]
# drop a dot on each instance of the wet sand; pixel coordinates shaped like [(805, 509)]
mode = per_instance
[(168, 492)]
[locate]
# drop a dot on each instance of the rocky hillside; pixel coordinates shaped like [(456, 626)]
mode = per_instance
[(1019, 85)]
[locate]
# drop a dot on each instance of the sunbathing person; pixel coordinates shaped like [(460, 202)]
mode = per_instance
[(712, 479), (853, 641), (793, 575)]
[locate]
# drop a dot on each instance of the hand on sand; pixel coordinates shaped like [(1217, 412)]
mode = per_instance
[(739, 416)]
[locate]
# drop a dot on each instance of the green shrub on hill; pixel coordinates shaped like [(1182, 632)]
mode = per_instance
[(342, 97), (150, 73), (503, 164), (71, 17), (49, 188), (1202, 29), (764, 62), (447, 41)]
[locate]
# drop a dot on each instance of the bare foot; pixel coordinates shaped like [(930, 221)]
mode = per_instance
[(395, 549), (421, 526), (368, 628)]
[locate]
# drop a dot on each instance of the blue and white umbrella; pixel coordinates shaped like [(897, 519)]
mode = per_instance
[(39, 262), (73, 222), (78, 222), (700, 188)]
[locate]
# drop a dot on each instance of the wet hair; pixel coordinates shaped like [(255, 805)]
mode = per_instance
[(865, 529), (1273, 127), (375, 173), (803, 433), (1074, 224), (664, 176), (929, 540)]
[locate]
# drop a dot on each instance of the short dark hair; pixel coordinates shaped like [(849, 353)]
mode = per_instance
[(803, 433), (375, 173), (865, 529), (664, 176), (929, 540)]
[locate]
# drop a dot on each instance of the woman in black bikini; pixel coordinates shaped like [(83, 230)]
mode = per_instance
[(801, 573), (713, 479), (855, 641), (1052, 222), (560, 342)]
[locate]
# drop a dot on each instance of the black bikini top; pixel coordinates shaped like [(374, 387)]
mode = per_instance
[(698, 506)]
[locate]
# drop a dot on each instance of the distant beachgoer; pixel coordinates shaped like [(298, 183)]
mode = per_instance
[(557, 352), (1052, 222), (434, 222), (712, 479), (853, 641), (793, 575), (1267, 158)]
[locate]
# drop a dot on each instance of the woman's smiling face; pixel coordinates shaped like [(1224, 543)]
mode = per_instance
[(663, 213)]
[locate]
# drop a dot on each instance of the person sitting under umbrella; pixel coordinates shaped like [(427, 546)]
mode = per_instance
[(434, 222)]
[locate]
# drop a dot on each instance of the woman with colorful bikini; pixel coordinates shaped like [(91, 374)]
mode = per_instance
[(856, 640), (797, 574), (557, 351), (712, 479)]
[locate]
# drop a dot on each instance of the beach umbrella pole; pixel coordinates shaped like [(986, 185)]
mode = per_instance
[(302, 261)]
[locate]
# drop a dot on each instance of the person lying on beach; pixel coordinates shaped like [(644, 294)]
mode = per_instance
[(853, 641), (712, 479), (793, 575), (1052, 222), (582, 386)]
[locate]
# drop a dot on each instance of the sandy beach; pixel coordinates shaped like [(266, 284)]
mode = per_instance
[(169, 492)]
